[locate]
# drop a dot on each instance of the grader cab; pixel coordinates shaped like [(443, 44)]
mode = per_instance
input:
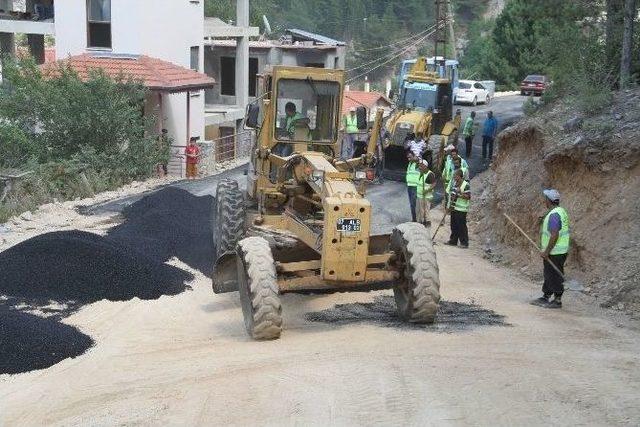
[(303, 224)]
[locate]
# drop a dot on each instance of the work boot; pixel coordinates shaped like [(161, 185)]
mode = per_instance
[(556, 303), (450, 243), (427, 223), (540, 302), (464, 245)]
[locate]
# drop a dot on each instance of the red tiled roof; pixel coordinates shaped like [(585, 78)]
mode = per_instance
[(154, 73), (357, 98)]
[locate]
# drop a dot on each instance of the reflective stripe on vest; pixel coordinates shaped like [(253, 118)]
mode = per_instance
[(413, 175), (562, 244), (462, 205), (351, 124), (425, 191)]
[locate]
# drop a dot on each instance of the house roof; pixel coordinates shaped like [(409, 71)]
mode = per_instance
[(154, 73), (266, 44), (357, 98), (302, 35)]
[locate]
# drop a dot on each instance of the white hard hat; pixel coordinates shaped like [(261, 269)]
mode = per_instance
[(552, 195), (449, 147), (424, 162), (352, 109)]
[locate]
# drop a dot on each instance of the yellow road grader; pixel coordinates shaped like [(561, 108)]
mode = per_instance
[(304, 224)]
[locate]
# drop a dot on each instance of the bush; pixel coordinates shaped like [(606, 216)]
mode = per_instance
[(77, 137)]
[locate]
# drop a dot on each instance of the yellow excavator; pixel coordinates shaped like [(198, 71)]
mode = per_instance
[(425, 109), (303, 223)]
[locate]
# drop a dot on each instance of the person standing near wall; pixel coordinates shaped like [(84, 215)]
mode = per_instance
[(489, 133), (192, 152), (554, 245)]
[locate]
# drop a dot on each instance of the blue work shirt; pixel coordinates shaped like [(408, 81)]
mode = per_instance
[(490, 127)]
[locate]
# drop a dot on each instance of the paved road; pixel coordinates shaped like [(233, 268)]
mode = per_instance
[(507, 110)]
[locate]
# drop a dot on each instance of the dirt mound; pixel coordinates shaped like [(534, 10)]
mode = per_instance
[(170, 222), (28, 342), (78, 268), (595, 164)]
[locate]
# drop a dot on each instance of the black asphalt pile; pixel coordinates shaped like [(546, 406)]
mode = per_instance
[(29, 342), (170, 223), (81, 268)]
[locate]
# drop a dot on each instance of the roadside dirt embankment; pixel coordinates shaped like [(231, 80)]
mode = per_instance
[(595, 164)]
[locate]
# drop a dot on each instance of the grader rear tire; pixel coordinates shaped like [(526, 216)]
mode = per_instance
[(230, 215), (417, 293), (258, 288)]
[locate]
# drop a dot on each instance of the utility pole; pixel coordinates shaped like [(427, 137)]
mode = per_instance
[(452, 35), (242, 55), (627, 43)]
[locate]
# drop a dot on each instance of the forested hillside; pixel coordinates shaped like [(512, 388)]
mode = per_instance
[(576, 42), (376, 31)]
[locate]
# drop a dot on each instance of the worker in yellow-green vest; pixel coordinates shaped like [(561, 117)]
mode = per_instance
[(412, 178), (350, 128), (554, 247), (424, 193), (458, 206)]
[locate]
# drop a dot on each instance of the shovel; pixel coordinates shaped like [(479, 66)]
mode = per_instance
[(571, 284), (439, 226)]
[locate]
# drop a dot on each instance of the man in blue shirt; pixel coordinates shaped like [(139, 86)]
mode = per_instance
[(489, 135)]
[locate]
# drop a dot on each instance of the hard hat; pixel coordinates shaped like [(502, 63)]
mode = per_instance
[(449, 147), (424, 163), (552, 195), (352, 109)]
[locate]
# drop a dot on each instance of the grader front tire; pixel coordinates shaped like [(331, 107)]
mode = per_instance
[(258, 289), (417, 293)]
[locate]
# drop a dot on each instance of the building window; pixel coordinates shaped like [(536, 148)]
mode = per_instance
[(253, 76), (228, 75), (99, 23), (195, 58)]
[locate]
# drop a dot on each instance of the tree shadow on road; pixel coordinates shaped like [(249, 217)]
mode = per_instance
[(452, 316)]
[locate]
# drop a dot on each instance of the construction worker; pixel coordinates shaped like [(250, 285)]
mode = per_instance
[(468, 133), (453, 162), (412, 179), (292, 119), (350, 128), (489, 133), (554, 245), (424, 195), (458, 206)]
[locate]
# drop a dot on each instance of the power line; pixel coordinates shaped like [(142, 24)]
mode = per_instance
[(393, 54), (416, 35), (390, 59)]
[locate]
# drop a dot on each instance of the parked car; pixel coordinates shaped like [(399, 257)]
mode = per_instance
[(473, 92), (534, 84)]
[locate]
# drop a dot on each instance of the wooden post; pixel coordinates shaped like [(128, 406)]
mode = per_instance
[(188, 117)]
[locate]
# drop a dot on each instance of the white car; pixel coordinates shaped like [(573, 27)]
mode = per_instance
[(473, 92)]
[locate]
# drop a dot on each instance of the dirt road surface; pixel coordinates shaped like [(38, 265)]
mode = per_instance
[(344, 359)]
